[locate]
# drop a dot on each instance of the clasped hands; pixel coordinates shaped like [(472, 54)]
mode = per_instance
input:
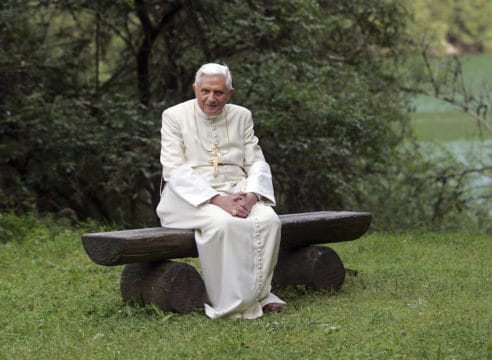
[(238, 204)]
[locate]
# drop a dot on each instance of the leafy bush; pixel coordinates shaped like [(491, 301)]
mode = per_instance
[(79, 124), (94, 158), (14, 227), (421, 193)]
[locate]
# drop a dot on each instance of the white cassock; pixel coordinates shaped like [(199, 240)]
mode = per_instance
[(237, 255)]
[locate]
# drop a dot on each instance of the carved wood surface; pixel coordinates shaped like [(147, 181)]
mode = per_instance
[(160, 243)]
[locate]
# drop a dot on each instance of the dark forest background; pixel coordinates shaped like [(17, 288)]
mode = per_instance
[(83, 84)]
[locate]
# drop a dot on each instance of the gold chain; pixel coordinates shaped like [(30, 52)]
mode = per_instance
[(215, 146)]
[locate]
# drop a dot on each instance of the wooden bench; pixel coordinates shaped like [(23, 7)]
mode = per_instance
[(149, 277)]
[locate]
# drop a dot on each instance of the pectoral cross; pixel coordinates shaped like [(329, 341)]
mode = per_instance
[(215, 161)]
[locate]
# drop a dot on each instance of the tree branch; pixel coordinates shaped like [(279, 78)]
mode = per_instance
[(150, 33), (479, 114)]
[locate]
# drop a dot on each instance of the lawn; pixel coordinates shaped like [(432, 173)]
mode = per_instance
[(447, 126), (437, 120), (417, 296)]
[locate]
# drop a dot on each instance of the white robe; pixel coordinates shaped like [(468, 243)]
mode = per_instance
[(237, 255)]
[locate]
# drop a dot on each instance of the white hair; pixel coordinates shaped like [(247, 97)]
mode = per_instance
[(213, 69)]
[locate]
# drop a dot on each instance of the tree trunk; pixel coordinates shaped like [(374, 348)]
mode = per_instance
[(150, 33)]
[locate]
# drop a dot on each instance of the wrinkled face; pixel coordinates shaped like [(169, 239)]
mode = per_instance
[(212, 94)]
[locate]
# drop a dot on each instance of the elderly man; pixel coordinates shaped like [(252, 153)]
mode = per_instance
[(218, 183)]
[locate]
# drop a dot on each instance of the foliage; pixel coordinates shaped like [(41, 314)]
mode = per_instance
[(463, 179), (82, 161), (96, 152), (57, 304), (462, 24), (329, 105), (25, 227), (435, 192), (13, 227), (84, 83)]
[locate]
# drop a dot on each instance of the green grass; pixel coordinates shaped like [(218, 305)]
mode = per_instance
[(417, 296), (447, 126), (437, 120), (477, 70)]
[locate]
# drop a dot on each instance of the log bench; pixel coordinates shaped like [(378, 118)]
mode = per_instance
[(150, 277)]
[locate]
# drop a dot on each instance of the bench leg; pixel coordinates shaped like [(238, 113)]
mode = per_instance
[(173, 286), (318, 267), (178, 287)]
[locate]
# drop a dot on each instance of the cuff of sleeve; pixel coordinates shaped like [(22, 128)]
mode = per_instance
[(190, 186), (259, 181)]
